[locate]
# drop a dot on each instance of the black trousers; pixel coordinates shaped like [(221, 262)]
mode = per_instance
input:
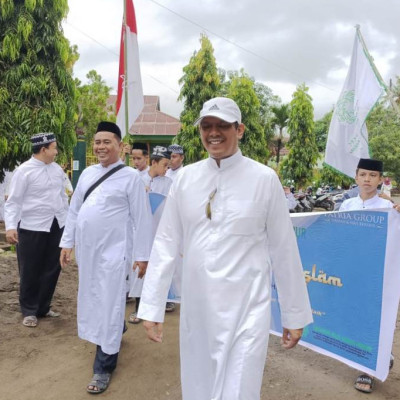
[(103, 362), (39, 267)]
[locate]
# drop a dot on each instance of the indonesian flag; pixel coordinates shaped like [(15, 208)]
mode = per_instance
[(348, 137), (130, 93)]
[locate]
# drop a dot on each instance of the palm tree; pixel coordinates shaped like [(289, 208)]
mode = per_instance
[(280, 120)]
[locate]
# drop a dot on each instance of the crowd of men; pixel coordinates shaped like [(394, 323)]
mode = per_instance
[(221, 225)]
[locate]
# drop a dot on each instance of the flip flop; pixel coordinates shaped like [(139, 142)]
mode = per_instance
[(133, 319), (364, 380), (30, 321), (99, 381)]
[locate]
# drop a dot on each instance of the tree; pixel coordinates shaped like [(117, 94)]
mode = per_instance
[(303, 151), (383, 126), (253, 143), (200, 82), (321, 128), (329, 176), (280, 120), (37, 92), (92, 105)]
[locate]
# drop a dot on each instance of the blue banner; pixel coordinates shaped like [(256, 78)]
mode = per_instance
[(343, 256)]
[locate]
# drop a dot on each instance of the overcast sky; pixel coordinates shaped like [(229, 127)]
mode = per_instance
[(280, 43)]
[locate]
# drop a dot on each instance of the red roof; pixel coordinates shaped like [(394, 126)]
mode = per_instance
[(152, 121)]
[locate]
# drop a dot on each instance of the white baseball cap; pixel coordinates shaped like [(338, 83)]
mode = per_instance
[(220, 107)]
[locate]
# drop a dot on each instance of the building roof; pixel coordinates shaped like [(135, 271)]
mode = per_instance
[(152, 121)]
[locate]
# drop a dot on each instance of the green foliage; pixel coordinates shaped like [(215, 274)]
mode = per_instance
[(329, 176), (253, 144), (321, 128), (279, 121), (383, 126), (303, 151), (37, 92), (92, 105), (200, 82)]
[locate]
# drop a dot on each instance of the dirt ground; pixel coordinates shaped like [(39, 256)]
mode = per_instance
[(51, 362)]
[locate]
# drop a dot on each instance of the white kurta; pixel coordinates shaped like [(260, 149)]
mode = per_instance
[(172, 173), (36, 196), (225, 311), (99, 230), (356, 203), (160, 185)]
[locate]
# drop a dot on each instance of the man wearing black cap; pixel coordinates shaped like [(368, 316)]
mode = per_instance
[(109, 201), (35, 214), (140, 155), (176, 162), (369, 175)]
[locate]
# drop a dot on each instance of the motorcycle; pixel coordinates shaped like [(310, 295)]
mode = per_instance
[(325, 201)]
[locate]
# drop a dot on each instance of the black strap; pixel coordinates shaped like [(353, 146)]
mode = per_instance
[(102, 179)]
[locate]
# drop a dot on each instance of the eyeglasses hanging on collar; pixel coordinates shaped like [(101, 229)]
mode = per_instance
[(208, 205)]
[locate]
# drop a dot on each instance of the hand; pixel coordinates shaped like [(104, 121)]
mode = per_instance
[(290, 337), (397, 207), (142, 265), (154, 330), (12, 236), (65, 257)]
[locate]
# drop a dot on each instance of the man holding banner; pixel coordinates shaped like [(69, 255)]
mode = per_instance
[(368, 177), (229, 214)]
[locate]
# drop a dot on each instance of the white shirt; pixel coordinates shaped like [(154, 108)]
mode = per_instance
[(37, 196), (357, 203), (171, 173), (158, 184), (227, 263), (143, 172)]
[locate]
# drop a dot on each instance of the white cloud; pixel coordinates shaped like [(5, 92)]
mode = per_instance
[(280, 43)]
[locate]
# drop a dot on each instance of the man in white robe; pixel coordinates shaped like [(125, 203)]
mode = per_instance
[(157, 187), (176, 162), (140, 156), (99, 229), (230, 214)]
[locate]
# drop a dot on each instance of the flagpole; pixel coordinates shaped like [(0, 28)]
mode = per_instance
[(377, 74), (126, 72)]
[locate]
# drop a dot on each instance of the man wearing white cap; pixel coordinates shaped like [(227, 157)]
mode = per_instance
[(230, 214), (35, 214)]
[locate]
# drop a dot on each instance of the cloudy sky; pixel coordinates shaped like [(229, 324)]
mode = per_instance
[(280, 43)]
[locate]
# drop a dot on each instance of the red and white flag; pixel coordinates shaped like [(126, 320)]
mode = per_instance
[(130, 93)]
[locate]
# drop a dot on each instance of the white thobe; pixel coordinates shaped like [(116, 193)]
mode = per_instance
[(144, 172), (99, 228), (226, 294), (172, 173), (160, 185), (357, 203)]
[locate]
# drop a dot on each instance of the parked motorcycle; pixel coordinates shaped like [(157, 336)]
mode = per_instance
[(325, 201)]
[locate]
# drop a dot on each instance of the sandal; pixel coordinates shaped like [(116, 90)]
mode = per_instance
[(99, 383), (30, 321), (364, 383), (52, 314), (133, 319)]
